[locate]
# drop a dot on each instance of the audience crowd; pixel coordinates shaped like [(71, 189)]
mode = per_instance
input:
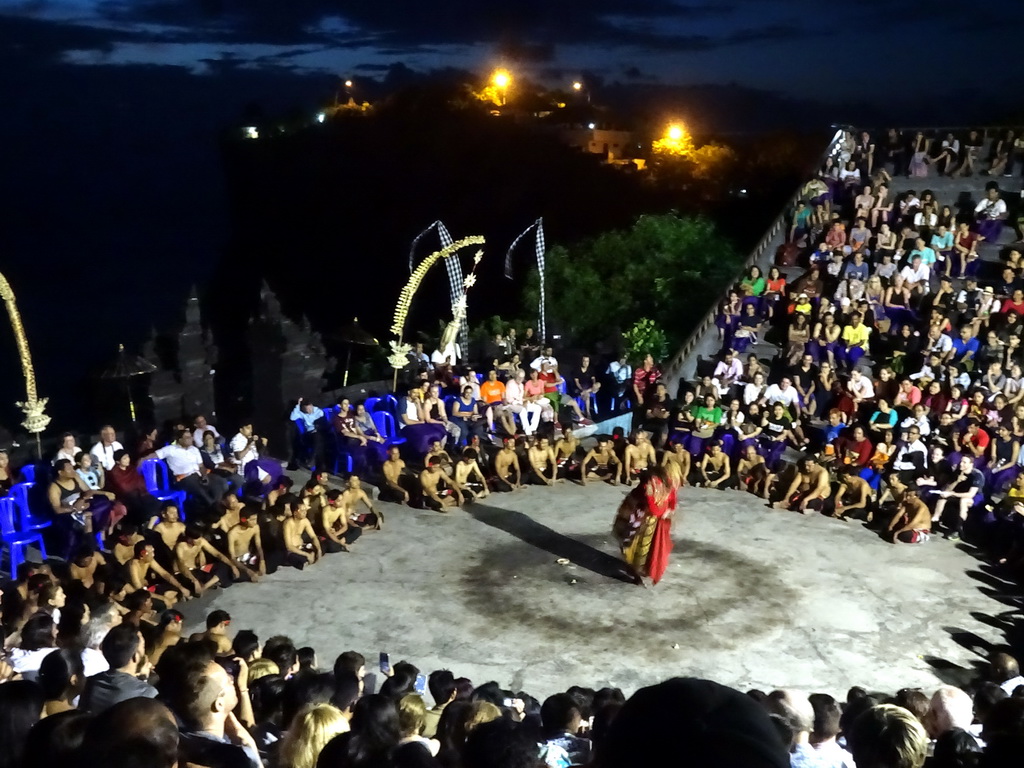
[(885, 382)]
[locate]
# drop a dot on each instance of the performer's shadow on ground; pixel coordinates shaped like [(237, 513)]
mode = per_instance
[(538, 535)]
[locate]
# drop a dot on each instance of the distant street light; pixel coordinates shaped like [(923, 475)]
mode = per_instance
[(577, 86), (321, 116), (675, 132), (348, 83), (502, 80), (591, 126)]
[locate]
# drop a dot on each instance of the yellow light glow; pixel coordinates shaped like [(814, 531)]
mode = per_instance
[(675, 132), (502, 78), (577, 86), (348, 83)]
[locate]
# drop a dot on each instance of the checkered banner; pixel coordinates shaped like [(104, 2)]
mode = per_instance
[(538, 227), (454, 267)]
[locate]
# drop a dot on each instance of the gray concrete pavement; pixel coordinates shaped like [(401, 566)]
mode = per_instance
[(753, 598)]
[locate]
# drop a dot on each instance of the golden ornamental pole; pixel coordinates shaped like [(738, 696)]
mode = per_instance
[(35, 420)]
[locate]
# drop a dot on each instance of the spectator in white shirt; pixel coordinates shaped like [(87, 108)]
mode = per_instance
[(784, 392), (1004, 670), (754, 391), (728, 371), (990, 214), (547, 357), (202, 426), (916, 275), (103, 451), (905, 460), (245, 453), (189, 474), (622, 372), (919, 420)]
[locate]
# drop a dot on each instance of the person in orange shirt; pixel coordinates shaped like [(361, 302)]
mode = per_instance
[(492, 392)]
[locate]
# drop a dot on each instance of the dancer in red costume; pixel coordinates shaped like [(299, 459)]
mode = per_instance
[(643, 526)]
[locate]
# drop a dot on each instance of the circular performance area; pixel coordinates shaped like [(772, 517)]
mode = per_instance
[(527, 588)]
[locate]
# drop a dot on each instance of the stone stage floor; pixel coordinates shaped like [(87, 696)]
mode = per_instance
[(753, 597)]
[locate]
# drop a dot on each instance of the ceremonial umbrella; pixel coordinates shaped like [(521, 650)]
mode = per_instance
[(125, 367), (353, 335)]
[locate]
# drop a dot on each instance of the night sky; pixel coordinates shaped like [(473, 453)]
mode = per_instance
[(805, 47), (112, 181)]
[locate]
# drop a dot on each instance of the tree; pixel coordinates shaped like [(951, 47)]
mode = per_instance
[(667, 268)]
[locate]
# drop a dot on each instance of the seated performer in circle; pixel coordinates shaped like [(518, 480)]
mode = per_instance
[(396, 481), (853, 495), (912, 523), (715, 468), (752, 472), (567, 453), (508, 476), (643, 526), (809, 489), (543, 464), (469, 477), (337, 533), (638, 457), (439, 489), (676, 463), (600, 463)]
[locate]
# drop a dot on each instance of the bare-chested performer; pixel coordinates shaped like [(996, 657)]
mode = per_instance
[(396, 479), (85, 568), (440, 491), (352, 497), (230, 509), (752, 472), (245, 545), (338, 534), (567, 452), (469, 476), (676, 462), (809, 489), (437, 451), (600, 463), (715, 468), (638, 456), (543, 464), (128, 537), (301, 544), (912, 523), (169, 528), (144, 572), (508, 475), (194, 556), (853, 495)]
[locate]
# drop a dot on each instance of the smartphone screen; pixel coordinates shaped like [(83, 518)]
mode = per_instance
[(421, 684), (385, 663)]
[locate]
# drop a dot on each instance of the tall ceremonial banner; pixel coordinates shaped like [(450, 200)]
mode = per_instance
[(538, 245), (455, 281)]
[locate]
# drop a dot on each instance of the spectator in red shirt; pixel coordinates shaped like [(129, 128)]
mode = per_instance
[(644, 378), (128, 487), (975, 439), (854, 449)]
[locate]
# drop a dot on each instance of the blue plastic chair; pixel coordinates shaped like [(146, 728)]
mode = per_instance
[(158, 482), (385, 424), (28, 473), (14, 540), (370, 403), (341, 455), (28, 521)]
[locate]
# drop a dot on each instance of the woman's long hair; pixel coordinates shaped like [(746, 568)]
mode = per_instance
[(309, 733), (375, 731), (21, 704)]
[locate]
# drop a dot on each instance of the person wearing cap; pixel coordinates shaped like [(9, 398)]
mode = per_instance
[(802, 305)]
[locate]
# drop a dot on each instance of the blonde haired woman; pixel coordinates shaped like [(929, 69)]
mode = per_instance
[(309, 733)]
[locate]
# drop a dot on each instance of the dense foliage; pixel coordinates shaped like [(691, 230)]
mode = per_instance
[(669, 268)]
